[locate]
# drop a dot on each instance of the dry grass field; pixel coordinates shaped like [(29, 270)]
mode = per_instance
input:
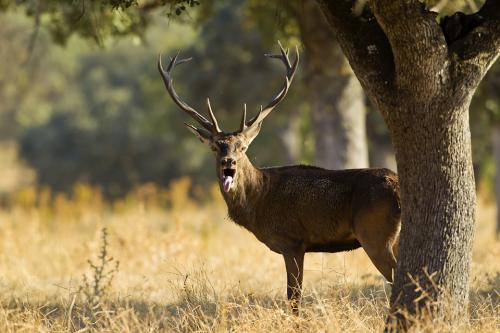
[(184, 267)]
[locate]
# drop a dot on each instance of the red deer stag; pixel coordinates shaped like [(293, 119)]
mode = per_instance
[(299, 209)]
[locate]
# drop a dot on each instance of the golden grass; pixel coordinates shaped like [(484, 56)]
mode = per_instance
[(185, 267)]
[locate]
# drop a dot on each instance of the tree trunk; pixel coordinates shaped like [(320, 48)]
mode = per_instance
[(381, 153), (336, 97), (438, 194), (338, 118), (290, 138), (421, 74), (495, 143)]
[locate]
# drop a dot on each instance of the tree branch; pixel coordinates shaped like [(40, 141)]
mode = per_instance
[(477, 42), (363, 42), (151, 5), (36, 29), (491, 9), (416, 39)]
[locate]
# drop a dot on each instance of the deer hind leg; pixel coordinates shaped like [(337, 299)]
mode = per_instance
[(294, 262), (377, 230)]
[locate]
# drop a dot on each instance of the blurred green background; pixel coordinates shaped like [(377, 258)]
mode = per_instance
[(81, 100)]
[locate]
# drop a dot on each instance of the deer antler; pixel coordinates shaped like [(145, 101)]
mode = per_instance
[(290, 72), (213, 126), (243, 125)]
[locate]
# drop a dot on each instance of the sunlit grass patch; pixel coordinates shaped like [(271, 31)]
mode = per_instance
[(185, 267)]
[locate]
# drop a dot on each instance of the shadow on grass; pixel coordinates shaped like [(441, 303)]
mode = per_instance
[(198, 307)]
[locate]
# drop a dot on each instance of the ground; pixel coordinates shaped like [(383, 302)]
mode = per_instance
[(185, 267)]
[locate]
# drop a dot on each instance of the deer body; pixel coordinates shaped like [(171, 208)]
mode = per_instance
[(308, 208), (299, 209)]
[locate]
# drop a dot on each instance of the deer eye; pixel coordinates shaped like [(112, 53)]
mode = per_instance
[(239, 146)]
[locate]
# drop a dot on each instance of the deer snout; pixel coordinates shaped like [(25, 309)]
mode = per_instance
[(227, 162)]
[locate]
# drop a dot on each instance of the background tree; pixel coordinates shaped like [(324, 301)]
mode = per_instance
[(380, 149), (336, 98), (409, 65), (485, 119), (492, 104), (333, 93)]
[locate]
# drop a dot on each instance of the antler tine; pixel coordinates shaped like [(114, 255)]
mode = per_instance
[(202, 131), (212, 116), (244, 118), (284, 55), (290, 73), (168, 80)]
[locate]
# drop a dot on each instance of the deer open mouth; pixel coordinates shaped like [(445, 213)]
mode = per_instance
[(228, 179)]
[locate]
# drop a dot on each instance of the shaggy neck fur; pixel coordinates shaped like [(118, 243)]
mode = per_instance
[(249, 186)]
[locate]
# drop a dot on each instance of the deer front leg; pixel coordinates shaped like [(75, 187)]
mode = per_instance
[(294, 262)]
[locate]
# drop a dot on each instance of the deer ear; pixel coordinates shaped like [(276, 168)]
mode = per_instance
[(252, 131), (202, 134)]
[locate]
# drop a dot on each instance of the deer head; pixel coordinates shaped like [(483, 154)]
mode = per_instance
[(229, 148)]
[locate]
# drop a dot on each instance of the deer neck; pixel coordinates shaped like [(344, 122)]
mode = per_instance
[(249, 187)]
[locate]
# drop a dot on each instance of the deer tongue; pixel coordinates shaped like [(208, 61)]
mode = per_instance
[(227, 183)]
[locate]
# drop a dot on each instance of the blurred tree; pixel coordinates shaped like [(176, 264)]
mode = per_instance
[(103, 136), (485, 116), (333, 92), (14, 38), (335, 95), (381, 152)]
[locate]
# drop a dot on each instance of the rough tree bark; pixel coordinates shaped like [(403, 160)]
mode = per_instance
[(336, 97), (421, 75)]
